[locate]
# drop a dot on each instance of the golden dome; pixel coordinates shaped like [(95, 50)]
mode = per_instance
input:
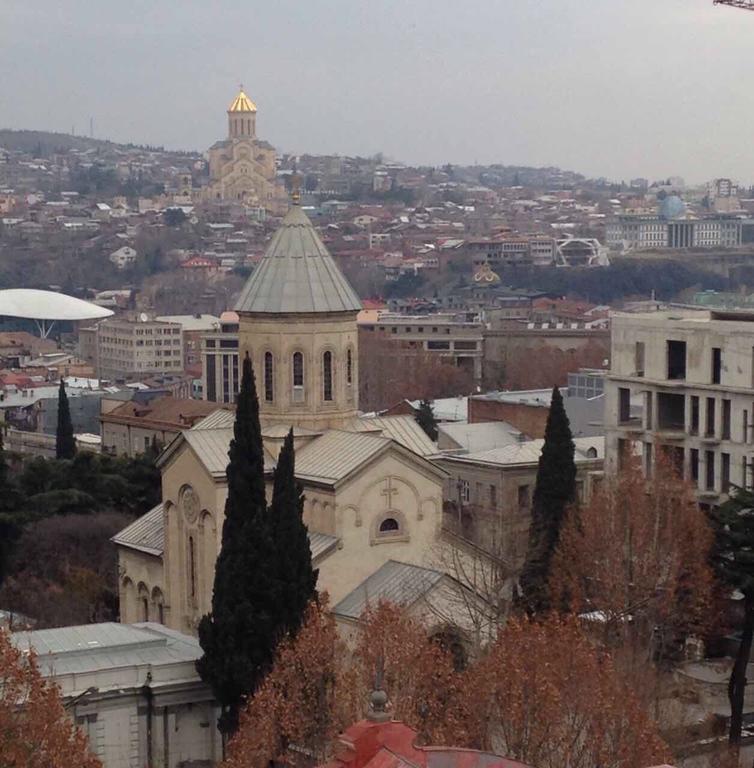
[(485, 275), (242, 103)]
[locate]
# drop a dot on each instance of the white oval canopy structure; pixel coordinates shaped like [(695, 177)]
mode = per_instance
[(45, 307)]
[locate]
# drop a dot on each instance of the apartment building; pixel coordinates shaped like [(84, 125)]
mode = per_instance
[(693, 373), (536, 250), (447, 335), (129, 349)]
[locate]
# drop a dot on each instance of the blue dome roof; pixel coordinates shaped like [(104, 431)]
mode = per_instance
[(672, 207)]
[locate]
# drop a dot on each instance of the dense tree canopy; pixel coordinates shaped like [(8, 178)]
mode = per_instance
[(542, 693)]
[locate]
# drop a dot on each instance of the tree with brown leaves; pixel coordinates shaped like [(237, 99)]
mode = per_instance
[(35, 730), (296, 703), (545, 695), (635, 558)]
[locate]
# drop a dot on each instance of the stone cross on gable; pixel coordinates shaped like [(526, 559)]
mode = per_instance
[(388, 491)]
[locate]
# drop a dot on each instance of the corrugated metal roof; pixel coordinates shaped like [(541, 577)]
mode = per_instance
[(320, 544), (211, 447), (336, 454), (483, 436), (398, 583), (91, 647), (529, 452), (297, 274), (403, 429), (147, 534), (219, 419)]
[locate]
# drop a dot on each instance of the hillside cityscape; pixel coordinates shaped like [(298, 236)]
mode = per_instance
[(339, 461)]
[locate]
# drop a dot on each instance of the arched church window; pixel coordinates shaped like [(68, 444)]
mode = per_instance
[(298, 377), (192, 567), (389, 525), (269, 373), (327, 376), (349, 368)]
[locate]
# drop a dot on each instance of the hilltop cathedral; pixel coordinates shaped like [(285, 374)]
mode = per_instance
[(373, 497), (242, 167)]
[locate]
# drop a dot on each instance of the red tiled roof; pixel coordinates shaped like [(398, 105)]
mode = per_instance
[(392, 744)]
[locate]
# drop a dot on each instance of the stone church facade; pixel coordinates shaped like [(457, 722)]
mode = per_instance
[(373, 496), (242, 167)]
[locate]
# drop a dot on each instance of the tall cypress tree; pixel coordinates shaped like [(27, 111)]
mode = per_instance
[(733, 558), (554, 491), (425, 418), (239, 636), (65, 443), (291, 541)]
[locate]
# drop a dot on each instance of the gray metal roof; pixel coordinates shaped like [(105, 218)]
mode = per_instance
[(297, 274), (147, 534), (482, 436), (336, 454), (211, 447), (403, 429), (398, 583), (320, 544), (219, 419), (92, 647)]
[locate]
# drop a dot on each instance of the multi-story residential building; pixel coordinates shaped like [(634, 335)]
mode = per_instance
[(194, 328), (220, 369), (457, 340), (653, 232), (694, 371), (133, 348), (538, 250)]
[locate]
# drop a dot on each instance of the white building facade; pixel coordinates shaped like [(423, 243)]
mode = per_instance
[(692, 372), (134, 691)]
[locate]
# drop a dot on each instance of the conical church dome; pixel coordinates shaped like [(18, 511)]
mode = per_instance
[(297, 274)]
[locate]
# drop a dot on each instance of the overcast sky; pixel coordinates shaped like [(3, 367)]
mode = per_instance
[(619, 88)]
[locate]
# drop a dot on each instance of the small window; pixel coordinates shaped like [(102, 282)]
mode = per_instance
[(298, 377), (349, 367), (639, 358), (676, 359), (709, 470), (717, 364), (694, 464), (269, 373), (726, 420), (523, 497), (725, 472), (389, 525), (327, 376), (192, 567)]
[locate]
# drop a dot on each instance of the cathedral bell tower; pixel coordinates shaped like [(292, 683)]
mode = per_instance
[(242, 117), (297, 321)]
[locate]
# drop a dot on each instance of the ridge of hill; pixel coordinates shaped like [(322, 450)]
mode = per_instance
[(43, 143)]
